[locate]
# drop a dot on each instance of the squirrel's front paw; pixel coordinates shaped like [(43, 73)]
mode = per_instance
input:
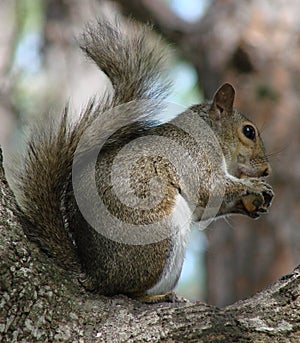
[(258, 198)]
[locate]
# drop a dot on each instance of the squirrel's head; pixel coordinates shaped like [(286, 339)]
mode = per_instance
[(239, 138)]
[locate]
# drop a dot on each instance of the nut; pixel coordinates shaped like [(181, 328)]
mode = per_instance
[(248, 202)]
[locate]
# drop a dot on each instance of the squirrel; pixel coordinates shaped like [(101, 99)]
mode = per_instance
[(126, 227)]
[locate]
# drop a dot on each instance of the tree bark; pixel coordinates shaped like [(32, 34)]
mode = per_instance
[(41, 302)]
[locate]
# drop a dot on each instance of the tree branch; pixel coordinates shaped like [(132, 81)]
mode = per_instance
[(189, 38), (165, 21)]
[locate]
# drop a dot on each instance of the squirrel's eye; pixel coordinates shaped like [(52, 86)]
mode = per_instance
[(249, 132)]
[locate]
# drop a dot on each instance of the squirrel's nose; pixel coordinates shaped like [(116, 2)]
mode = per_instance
[(266, 172)]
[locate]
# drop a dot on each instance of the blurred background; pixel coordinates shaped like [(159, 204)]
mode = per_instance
[(255, 45)]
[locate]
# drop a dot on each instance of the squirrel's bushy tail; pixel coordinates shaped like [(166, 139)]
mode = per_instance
[(40, 187), (131, 58), (135, 65)]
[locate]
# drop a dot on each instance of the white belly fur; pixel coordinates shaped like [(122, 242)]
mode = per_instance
[(180, 220)]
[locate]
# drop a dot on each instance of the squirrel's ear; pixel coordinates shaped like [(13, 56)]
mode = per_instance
[(223, 99)]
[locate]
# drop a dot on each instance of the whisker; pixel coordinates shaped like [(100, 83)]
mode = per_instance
[(277, 153), (263, 127)]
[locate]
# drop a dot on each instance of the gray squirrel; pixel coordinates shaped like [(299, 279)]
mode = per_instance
[(137, 247)]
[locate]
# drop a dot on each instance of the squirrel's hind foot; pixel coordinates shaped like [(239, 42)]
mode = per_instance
[(170, 297)]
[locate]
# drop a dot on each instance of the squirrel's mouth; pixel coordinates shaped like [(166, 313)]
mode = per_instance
[(256, 170), (244, 173)]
